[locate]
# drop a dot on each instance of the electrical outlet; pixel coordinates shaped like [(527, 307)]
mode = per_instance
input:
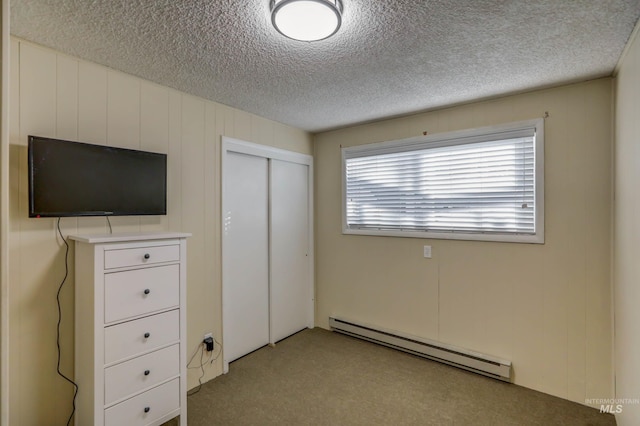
[(427, 252), (208, 341)]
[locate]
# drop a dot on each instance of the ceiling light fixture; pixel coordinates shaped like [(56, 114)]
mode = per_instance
[(306, 20)]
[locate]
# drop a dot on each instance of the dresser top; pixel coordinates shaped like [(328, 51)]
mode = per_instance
[(127, 237)]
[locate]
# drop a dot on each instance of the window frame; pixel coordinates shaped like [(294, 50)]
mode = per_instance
[(455, 138)]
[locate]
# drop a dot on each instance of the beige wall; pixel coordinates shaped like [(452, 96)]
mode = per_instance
[(547, 308), (627, 233), (4, 223), (58, 96)]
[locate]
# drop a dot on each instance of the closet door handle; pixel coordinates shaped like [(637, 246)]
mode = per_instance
[(147, 256), (147, 409), (147, 335), (147, 372), (147, 291)]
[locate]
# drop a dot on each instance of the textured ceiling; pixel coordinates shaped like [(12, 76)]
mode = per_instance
[(389, 58)]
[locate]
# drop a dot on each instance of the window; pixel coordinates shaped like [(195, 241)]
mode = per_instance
[(481, 184)]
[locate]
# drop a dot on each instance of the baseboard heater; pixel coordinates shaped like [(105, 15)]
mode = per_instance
[(462, 358)]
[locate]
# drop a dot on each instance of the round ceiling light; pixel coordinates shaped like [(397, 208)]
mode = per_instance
[(306, 20)]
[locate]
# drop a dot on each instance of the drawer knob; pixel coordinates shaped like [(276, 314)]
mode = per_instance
[(147, 335), (147, 255), (147, 291), (147, 372), (147, 409)]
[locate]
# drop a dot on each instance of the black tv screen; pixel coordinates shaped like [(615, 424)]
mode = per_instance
[(79, 179)]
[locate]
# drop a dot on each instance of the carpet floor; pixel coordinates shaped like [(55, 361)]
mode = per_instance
[(318, 377)]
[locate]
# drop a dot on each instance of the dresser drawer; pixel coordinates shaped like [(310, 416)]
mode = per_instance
[(145, 408), (140, 256), (137, 292), (141, 335), (137, 374)]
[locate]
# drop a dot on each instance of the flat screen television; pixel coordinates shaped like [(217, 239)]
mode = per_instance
[(80, 179)]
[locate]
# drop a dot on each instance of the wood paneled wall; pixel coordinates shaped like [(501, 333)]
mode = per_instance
[(62, 97), (627, 233), (547, 308)]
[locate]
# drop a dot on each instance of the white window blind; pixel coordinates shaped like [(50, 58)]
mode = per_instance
[(480, 182)]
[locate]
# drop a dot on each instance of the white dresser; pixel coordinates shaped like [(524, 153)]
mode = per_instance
[(130, 329)]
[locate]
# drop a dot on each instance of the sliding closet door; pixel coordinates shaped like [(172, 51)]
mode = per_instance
[(291, 299), (267, 247), (245, 255)]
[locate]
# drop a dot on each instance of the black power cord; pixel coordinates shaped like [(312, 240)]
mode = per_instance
[(66, 274), (193, 392), (208, 345)]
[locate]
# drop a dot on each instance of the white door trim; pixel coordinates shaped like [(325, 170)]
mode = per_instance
[(249, 148)]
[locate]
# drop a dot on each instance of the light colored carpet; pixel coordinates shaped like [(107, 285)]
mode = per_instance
[(318, 377)]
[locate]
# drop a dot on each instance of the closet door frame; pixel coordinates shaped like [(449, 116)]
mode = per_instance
[(232, 145)]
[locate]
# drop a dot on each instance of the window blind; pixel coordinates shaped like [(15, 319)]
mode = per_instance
[(479, 184)]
